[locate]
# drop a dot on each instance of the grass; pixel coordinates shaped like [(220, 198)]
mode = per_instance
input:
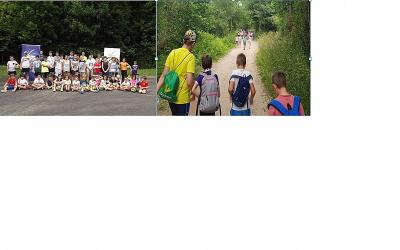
[(279, 53)]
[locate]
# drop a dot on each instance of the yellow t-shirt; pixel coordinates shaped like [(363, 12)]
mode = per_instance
[(187, 65), (123, 65), (45, 67)]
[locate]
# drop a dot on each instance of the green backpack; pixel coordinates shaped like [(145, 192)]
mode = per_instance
[(170, 86)]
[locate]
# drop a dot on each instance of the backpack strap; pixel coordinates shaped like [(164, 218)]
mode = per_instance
[(181, 61), (296, 104), (278, 105)]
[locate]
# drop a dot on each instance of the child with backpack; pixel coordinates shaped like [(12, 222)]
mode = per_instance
[(241, 88), (285, 104), (209, 93)]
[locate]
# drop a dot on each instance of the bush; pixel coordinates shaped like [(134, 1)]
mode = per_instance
[(281, 53)]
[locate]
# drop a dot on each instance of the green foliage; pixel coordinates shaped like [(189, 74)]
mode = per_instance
[(80, 26), (277, 53), (217, 17)]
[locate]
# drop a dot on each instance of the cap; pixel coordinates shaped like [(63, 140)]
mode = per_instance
[(190, 36)]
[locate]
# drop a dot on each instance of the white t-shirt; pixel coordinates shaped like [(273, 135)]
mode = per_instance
[(50, 59), (66, 65), (22, 81), (76, 82), (37, 80), (67, 82), (11, 65), (90, 63), (58, 65), (234, 77), (25, 62)]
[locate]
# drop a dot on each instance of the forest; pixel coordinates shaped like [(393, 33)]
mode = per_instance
[(282, 29), (80, 26)]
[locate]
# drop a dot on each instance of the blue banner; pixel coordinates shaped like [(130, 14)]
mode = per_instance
[(33, 51)]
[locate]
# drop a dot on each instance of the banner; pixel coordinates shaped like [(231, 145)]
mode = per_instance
[(33, 51), (112, 52)]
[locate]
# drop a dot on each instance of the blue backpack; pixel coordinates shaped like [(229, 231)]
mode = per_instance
[(289, 111), (241, 94)]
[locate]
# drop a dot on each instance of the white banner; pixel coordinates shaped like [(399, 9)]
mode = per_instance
[(112, 52)]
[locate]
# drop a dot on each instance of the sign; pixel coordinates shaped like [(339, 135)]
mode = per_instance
[(112, 52), (33, 51)]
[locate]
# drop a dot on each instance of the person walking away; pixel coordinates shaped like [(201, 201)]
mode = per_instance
[(206, 89), (181, 61), (284, 104), (241, 88)]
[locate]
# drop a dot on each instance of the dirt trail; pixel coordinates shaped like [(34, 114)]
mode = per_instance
[(224, 68)]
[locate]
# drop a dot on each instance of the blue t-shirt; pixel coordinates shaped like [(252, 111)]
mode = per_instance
[(135, 68)]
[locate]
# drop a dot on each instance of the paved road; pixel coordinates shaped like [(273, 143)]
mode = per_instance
[(46, 103)]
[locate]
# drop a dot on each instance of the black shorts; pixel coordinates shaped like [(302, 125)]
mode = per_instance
[(51, 70), (45, 74), (37, 73), (12, 72), (25, 70)]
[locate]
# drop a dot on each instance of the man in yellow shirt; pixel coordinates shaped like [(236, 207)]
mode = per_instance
[(45, 69), (182, 61)]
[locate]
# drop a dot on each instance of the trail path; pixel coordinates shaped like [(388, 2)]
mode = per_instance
[(224, 68)]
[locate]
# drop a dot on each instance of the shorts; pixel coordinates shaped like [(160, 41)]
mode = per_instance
[(25, 70), (246, 112), (37, 73), (51, 70), (12, 72), (45, 74), (10, 87), (179, 109)]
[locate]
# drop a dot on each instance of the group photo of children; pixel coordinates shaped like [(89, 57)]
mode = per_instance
[(73, 73)]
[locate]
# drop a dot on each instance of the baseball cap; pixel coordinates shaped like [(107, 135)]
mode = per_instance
[(190, 36)]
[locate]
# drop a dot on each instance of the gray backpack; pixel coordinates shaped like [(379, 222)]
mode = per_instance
[(208, 99)]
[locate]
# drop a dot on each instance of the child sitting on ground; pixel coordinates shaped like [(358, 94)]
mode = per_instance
[(49, 82), (23, 83), (93, 86), (143, 86), (76, 84), (104, 84), (38, 83), (134, 83), (11, 84), (125, 85), (58, 84), (285, 104), (114, 82), (66, 84), (84, 84)]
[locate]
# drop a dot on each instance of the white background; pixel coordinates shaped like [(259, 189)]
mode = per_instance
[(329, 181)]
